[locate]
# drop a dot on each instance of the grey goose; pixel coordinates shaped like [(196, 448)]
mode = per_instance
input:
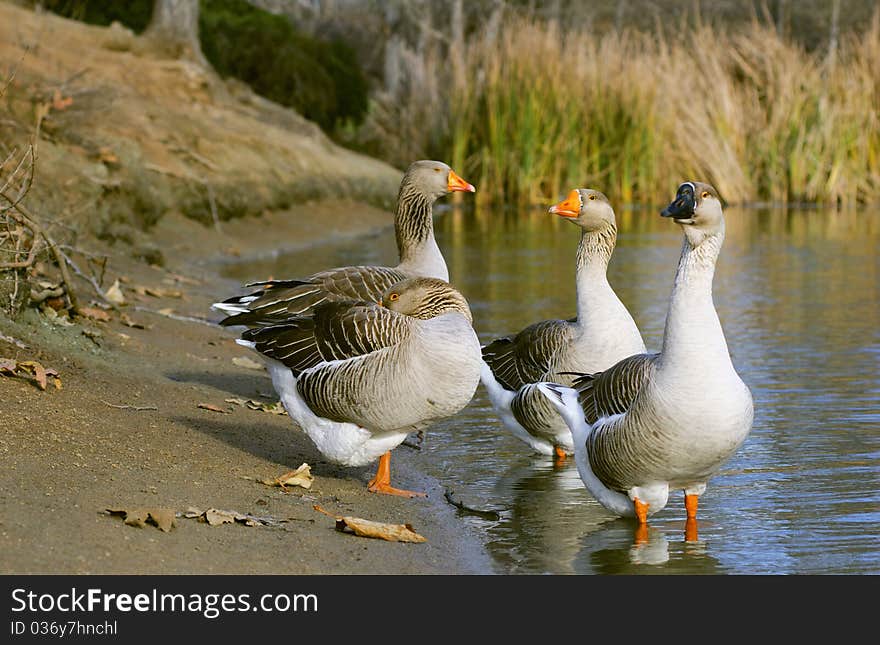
[(422, 184), (358, 377), (602, 333)]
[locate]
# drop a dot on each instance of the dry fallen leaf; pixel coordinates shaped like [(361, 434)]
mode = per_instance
[(212, 408), (216, 517), (243, 361), (38, 370), (370, 529), (60, 102), (301, 477), (114, 294), (39, 373), (167, 311), (128, 322), (94, 313), (271, 408), (163, 518)]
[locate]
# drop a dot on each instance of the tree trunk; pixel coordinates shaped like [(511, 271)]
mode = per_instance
[(174, 27), (835, 34)]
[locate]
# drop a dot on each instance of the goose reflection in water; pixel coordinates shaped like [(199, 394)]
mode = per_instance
[(619, 547)]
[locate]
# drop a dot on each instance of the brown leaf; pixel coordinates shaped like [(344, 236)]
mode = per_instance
[(128, 322), (38, 370), (216, 517), (247, 363), (371, 529), (271, 408), (212, 408), (94, 313), (162, 518), (301, 477), (59, 102)]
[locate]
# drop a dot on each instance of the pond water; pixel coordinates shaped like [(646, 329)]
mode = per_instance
[(798, 294)]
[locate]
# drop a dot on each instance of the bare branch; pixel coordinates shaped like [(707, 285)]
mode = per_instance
[(24, 217)]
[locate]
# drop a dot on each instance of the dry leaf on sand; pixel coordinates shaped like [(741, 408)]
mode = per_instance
[(216, 517), (31, 369), (301, 477), (243, 361), (271, 408), (212, 408), (114, 294), (128, 322), (94, 313), (163, 518), (370, 529)]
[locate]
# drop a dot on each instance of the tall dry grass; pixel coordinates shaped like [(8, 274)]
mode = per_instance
[(542, 109)]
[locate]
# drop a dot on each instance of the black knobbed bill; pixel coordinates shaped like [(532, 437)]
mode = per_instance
[(684, 205)]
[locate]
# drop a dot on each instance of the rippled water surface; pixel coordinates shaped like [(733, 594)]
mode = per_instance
[(798, 294)]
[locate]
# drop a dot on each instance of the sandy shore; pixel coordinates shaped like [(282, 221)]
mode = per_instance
[(69, 454)]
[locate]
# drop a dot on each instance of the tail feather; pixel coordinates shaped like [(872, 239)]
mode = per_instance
[(566, 401)]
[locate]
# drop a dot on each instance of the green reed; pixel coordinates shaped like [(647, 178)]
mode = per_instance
[(543, 110)]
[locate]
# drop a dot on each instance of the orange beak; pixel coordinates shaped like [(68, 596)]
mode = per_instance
[(379, 302), (570, 207), (456, 183)]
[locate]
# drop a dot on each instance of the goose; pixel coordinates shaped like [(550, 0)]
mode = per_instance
[(653, 422), (422, 184), (603, 333), (358, 377)]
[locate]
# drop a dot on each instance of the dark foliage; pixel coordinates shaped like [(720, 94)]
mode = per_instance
[(321, 80)]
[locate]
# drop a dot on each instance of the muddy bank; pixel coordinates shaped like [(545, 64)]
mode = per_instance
[(69, 454)]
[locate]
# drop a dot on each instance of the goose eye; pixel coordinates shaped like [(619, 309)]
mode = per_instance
[(393, 297), (592, 198), (437, 169), (705, 194)]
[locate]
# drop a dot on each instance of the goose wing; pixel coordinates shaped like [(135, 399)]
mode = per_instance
[(336, 331), (612, 391), (528, 356), (278, 300)]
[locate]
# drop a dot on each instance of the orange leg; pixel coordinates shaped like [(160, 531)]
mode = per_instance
[(690, 530), (381, 483), (641, 510), (559, 456), (690, 504)]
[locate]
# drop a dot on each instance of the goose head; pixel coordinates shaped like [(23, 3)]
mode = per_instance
[(425, 298), (588, 208), (433, 179), (697, 208)]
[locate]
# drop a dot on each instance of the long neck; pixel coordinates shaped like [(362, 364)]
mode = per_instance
[(414, 228), (693, 334), (594, 294)]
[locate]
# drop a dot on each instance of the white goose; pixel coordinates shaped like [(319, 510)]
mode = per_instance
[(422, 184), (358, 377), (670, 420), (602, 334)]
